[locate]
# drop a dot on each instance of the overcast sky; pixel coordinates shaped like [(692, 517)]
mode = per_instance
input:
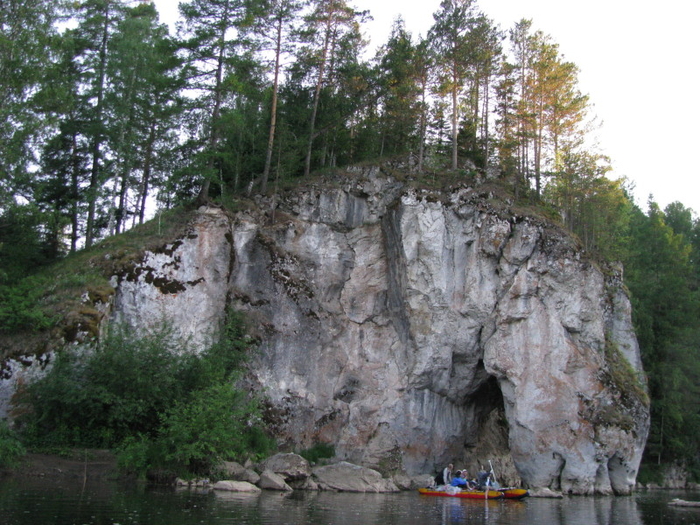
[(639, 65)]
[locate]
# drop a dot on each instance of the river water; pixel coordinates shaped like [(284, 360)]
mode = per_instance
[(39, 502)]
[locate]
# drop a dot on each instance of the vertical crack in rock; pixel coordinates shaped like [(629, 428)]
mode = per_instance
[(396, 272)]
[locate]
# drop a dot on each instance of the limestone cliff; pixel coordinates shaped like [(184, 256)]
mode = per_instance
[(412, 328)]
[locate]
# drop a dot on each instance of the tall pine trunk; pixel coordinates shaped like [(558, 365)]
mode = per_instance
[(273, 110), (97, 139), (317, 96)]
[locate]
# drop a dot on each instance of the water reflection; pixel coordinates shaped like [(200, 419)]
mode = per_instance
[(38, 503), (585, 510)]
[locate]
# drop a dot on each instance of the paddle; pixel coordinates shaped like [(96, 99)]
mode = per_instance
[(493, 474)]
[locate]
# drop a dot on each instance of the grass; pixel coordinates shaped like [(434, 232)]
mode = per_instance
[(67, 293), (624, 378)]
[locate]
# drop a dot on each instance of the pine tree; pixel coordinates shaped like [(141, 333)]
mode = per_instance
[(331, 29), (423, 63), (27, 43), (144, 100), (65, 159), (540, 103), (97, 21), (400, 91), (659, 275), (277, 26), (449, 36), (216, 44)]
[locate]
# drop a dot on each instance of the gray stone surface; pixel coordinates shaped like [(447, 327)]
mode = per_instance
[(237, 472), (290, 466), (346, 477), (235, 486), (271, 481)]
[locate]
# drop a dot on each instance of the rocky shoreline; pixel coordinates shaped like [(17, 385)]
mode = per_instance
[(288, 472), (283, 472)]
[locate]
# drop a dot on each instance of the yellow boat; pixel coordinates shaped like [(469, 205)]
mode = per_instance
[(514, 493), (470, 494)]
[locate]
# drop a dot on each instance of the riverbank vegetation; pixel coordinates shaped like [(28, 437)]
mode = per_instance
[(162, 407), (108, 117)]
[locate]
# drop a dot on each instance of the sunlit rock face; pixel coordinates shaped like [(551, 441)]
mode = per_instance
[(183, 285), (407, 326)]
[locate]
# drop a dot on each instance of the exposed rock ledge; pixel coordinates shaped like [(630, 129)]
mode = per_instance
[(282, 471), (396, 323)]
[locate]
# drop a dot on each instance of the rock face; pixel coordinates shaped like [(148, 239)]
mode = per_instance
[(235, 486), (395, 323), (291, 467), (346, 477), (184, 283), (271, 481)]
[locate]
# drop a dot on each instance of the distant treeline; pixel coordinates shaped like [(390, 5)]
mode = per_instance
[(105, 115)]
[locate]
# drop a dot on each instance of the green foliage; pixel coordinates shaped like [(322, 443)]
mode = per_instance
[(97, 398), (624, 377), (11, 449), (317, 452), (211, 426), (28, 28), (661, 275), (160, 405), (20, 307), (136, 455), (23, 249), (592, 206), (650, 473)]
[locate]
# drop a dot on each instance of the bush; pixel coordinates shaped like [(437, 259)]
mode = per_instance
[(160, 405), (20, 308), (11, 449), (134, 455), (212, 426), (99, 397), (318, 451)]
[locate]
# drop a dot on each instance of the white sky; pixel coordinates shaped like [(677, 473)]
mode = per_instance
[(639, 64)]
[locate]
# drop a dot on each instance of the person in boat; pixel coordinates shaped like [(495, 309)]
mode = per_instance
[(482, 479), (460, 480), (445, 476)]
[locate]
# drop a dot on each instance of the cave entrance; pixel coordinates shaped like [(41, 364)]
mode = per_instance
[(486, 436)]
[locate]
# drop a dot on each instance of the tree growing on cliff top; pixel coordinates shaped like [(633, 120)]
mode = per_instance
[(541, 109), (450, 37), (277, 28), (217, 47), (145, 100), (332, 39)]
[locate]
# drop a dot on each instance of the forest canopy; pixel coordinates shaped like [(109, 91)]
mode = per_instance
[(107, 115)]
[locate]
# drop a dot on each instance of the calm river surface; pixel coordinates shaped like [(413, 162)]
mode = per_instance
[(38, 502)]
